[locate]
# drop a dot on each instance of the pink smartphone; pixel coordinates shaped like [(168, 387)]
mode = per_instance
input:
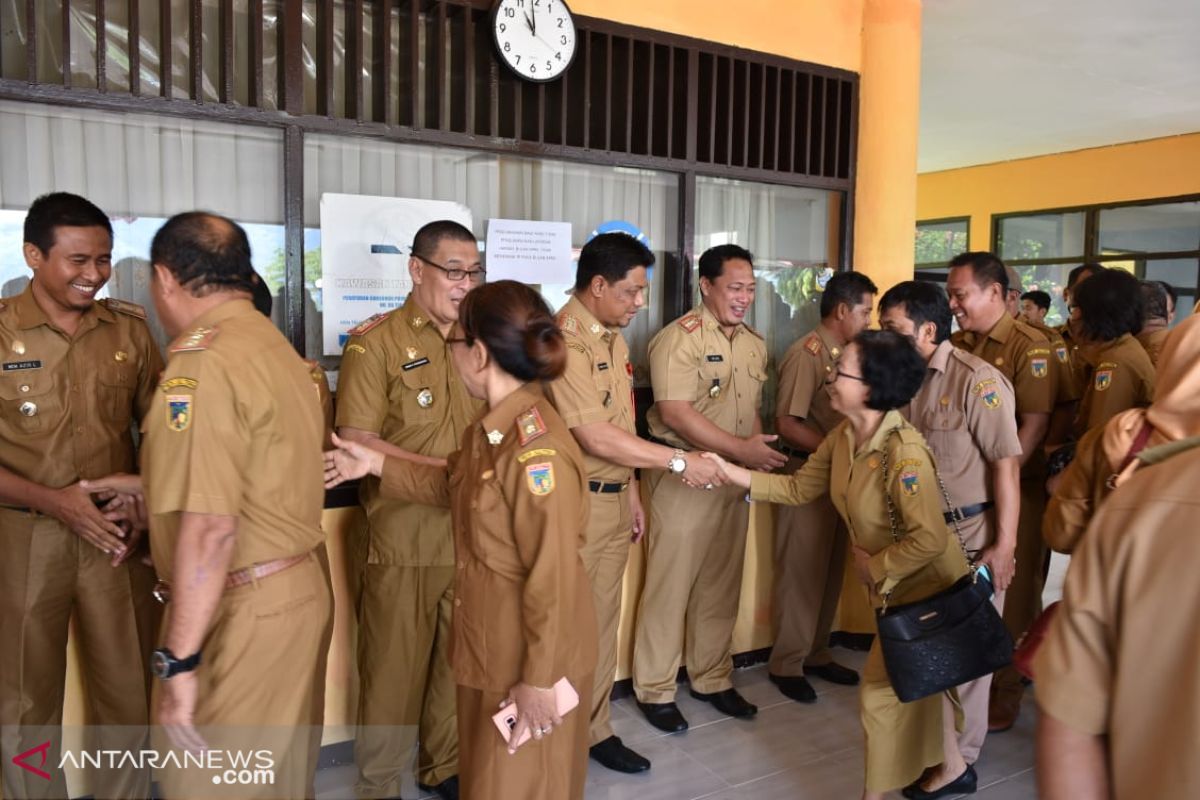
[(565, 699)]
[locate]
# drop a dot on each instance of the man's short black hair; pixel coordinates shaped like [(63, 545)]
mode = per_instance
[(986, 267), (262, 296), (845, 287), (65, 210), (1154, 295), (1171, 293), (923, 302), (1087, 269), (891, 366), (611, 256), (1038, 298), (205, 252), (431, 234), (712, 261), (1111, 305)]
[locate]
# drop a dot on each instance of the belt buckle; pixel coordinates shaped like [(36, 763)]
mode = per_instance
[(161, 592), (956, 515)]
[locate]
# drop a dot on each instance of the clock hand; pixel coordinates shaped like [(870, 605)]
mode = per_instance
[(533, 18), (529, 23)]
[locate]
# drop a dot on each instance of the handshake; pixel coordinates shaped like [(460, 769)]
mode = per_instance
[(707, 470)]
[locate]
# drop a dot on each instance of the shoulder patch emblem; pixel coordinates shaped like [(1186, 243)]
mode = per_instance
[(813, 345), (521, 459), (199, 339), (689, 322), (178, 383), (909, 483), (355, 348), (530, 426), (132, 309), (1104, 377), (1060, 352), (991, 398), (1040, 367), (907, 462), (540, 478), (568, 323), (179, 412), (577, 347), (367, 324)]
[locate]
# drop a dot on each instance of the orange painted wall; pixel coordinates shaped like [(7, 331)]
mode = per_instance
[(821, 31), (1164, 167)]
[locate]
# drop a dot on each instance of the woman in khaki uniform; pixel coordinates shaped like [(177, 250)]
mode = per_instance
[(517, 490), (878, 372)]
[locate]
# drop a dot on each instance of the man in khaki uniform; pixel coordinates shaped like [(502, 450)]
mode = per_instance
[(77, 375), (595, 398), (1153, 334), (1116, 674), (977, 285), (964, 411), (707, 369), (1069, 330), (400, 394), (810, 540), (233, 477)]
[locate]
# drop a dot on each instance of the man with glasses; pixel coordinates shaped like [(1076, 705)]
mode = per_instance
[(399, 394)]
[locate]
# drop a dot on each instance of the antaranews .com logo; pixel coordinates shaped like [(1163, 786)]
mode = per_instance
[(227, 767)]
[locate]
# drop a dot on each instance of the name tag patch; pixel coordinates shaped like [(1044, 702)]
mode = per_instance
[(714, 357), (13, 366), (420, 362)]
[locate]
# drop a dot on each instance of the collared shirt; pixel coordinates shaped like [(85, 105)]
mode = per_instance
[(398, 380), (693, 360), (1122, 377), (925, 556), (235, 430), (802, 375), (1066, 389), (1152, 342), (517, 493), (964, 409), (68, 404), (597, 385)]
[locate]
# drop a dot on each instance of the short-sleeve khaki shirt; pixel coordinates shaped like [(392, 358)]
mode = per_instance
[(1122, 377), (802, 374), (1021, 354), (235, 430), (597, 385), (1153, 341), (693, 360), (1066, 389), (965, 411), (68, 404), (397, 380)]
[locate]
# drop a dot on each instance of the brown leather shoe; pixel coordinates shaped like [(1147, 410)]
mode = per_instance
[(1002, 712)]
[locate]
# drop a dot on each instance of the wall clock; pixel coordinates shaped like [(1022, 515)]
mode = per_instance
[(536, 39)]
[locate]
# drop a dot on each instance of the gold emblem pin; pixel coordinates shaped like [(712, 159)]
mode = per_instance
[(18, 347), (715, 391), (945, 400), (411, 352), (835, 351), (1000, 361), (495, 438), (487, 475), (424, 398), (28, 409), (120, 355), (873, 462), (418, 322), (595, 328)]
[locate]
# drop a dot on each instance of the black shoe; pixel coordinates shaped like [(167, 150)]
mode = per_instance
[(728, 702), (963, 784), (447, 789), (834, 673), (794, 687), (664, 716), (612, 753)]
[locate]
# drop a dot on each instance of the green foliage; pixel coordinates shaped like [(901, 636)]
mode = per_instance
[(275, 269), (938, 247)]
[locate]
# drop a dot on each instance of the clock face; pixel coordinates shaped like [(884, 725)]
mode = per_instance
[(535, 38)]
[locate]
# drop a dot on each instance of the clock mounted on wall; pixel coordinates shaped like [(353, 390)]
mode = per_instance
[(536, 39)]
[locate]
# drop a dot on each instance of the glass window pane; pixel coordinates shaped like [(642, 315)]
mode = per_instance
[(1164, 228), (1051, 279), (1042, 236), (502, 187), (938, 242), (794, 234), (1183, 274)]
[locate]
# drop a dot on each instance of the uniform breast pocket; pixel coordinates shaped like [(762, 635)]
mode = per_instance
[(948, 438), (419, 396), (714, 378), (116, 393), (27, 400)]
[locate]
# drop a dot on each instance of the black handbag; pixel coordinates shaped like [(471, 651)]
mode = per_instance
[(947, 639)]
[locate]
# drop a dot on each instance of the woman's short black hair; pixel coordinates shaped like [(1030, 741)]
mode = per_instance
[(1111, 305), (891, 367)]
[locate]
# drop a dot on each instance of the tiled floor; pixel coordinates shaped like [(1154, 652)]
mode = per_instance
[(789, 752)]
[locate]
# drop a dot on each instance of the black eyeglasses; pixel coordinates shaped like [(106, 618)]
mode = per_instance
[(459, 340), (837, 373), (454, 273)]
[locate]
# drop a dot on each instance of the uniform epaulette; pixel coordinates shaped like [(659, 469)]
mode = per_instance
[(367, 324), (813, 345), (199, 339), (124, 307), (689, 322), (756, 333), (567, 323), (530, 426)]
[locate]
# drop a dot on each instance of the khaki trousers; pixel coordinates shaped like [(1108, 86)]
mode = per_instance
[(696, 544), (604, 556), (255, 682), (1023, 602), (317, 725), (810, 559), (553, 768), (47, 575), (406, 686)]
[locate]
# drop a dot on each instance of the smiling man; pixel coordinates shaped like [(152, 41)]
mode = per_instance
[(78, 374), (707, 369)]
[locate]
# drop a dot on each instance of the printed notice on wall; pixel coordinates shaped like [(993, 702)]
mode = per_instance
[(366, 242), (529, 251)]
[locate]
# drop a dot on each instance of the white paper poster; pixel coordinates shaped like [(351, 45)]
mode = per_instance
[(529, 251), (365, 246)]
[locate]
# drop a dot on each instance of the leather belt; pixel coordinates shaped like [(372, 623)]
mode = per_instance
[(599, 487), (966, 512), (240, 577), (793, 452)]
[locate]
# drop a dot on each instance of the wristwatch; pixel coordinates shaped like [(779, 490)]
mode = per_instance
[(677, 464), (164, 664)]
